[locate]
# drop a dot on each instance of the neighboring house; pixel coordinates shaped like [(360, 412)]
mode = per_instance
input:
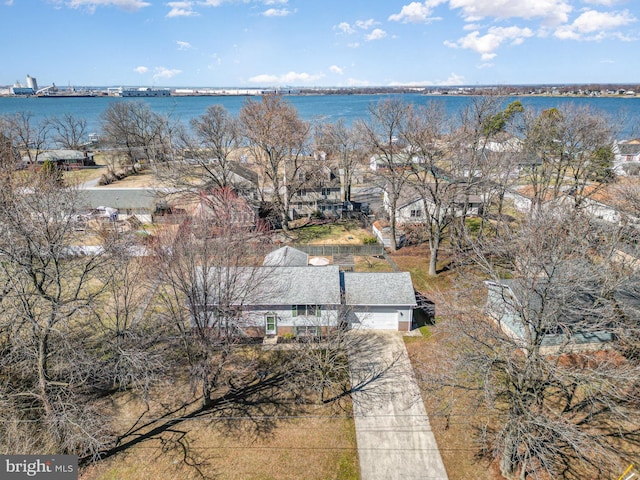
[(275, 299), (627, 158), (508, 304), (321, 193), (382, 231), (412, 209), (379, 301), (400, 160), (244, 181), (141, 202), (224, 207), (67, 159)]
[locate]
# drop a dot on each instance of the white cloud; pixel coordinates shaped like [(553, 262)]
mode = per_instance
[(553, 12), (376, 34), (162, 72), (290, 78), (486, 44), (606, 3), (593, 25), (129, 5), (354, 82), (141, 69), (454, 79), (336, 69), (353, 45), (472, 26), (181, 9), (183, 45), (8, 3), (276, 12), (416, 12), (366, 24), (344, 27), (276, 2)]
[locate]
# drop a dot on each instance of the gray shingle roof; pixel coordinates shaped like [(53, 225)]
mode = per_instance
[(282, 285), (629, 148), (120, 198), (363, 288), (286, 257)]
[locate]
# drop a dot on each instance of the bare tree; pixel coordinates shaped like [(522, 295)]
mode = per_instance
[(68, 131), (137, 133), (342, 147), (382, 135), (547, 357), (208, 272), (575, 150), (205, 160), (278, 139), (28, 138), (424, 132), (49, 293)]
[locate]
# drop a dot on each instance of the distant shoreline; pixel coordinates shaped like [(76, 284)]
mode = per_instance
[(575, 91)]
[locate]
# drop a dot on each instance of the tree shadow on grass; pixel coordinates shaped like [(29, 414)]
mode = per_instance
[(255, 402)]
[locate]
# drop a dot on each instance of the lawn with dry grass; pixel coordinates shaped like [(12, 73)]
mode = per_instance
[(339, 233), (452, 417), (260, 436), (415, 260), (318, 446)]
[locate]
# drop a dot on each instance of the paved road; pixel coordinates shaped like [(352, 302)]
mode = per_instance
[(393, 433)]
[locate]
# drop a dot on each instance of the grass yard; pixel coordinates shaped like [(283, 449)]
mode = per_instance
[(266, 437), (415, 259), (371, 264), (454, 432), (318, 447), (75, 177), (345, 233)]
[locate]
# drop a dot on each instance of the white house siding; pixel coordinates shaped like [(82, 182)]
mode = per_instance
[(255, 318)]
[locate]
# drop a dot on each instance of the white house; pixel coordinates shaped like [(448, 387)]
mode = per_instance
[(274, 300), (412, 209), (627, 158)]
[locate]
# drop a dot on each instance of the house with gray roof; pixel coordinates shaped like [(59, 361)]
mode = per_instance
[(379, 301), (132, 201), (65, 158), (274, 300), (561, 324)]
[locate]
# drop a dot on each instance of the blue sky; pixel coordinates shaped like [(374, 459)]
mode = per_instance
[(252, 43)]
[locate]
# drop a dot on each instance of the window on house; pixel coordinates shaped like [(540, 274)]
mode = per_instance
[(306, 311), (415, 213), (306, 330)]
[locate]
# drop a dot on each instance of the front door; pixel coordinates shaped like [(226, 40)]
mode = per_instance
[(271, 324)]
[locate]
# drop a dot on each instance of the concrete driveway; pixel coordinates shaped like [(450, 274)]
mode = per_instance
[(394, 436)]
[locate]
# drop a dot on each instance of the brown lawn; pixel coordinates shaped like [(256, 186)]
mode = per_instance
[(310, 447), (261, 440), (452, 418)]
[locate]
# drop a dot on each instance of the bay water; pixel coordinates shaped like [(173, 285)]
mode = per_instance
[(624, 112)]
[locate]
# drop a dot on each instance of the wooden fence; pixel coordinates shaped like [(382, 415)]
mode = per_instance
[(330, 250)]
